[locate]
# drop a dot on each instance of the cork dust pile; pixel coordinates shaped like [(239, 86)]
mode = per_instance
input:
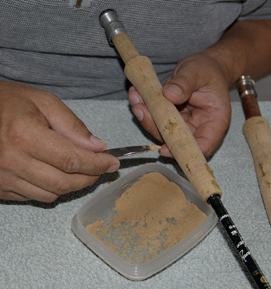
[(149, 217)]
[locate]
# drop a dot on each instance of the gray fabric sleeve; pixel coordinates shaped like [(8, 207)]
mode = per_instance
[(252, 10)]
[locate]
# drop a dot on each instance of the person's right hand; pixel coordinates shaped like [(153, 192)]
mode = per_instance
[(199, 89), (45, 150)]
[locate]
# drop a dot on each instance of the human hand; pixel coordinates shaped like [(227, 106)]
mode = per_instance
[(45, 150), (199, 90)]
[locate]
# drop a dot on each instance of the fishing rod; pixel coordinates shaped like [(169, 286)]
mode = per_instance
[(140, 72), (257, 132)]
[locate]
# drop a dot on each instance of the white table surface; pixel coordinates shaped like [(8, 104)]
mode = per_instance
[(39, 250)]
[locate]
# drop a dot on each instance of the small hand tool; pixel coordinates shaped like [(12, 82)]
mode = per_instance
[(179, 139), (129, 151)]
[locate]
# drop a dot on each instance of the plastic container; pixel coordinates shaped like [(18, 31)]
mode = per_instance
[(101, 205)]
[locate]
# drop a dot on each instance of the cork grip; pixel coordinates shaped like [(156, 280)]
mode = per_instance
[(140, 72), (257, 132)]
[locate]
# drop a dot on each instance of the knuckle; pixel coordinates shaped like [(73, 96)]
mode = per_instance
[(11, 196), (50, 198), (98, 167), (91, 181), (61, 187), (70, 163), (78, 125), (16, 132), (6, 163), (69, 184), (7, 175), (5, 184)]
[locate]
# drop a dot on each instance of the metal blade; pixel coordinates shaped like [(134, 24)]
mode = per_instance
[(124, 152)]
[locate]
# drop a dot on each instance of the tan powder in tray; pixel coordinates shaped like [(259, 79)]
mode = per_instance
[(150, 217)]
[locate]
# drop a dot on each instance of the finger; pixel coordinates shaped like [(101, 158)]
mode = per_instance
[(47, 146), (144, 117), (177, 90), (164, 151), (42, 182), (183, 82), (65, 122), (141, 112), (11, 196), (54, 189), (134, 97), (52, 180), (23, 191), (208, 125), (17, 189), (209, 136)]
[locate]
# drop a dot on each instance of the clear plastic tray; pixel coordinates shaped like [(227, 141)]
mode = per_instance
[(100, 205)]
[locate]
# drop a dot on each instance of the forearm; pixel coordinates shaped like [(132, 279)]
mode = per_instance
[(244, 49)]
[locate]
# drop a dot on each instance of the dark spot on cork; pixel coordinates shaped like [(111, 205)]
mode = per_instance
[(215, 184), (188, 168), (262, 170), (170, 126), (268, 184), (209, 170), (259, 121)]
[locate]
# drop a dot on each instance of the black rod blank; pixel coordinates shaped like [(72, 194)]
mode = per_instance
[(238, 242)]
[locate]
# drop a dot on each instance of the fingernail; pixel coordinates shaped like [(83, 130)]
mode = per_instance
[(97, 141), (174, 90), (134, 99), (164, 151), (113, 168), (138, 113)]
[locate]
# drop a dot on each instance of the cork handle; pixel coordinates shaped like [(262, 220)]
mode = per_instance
[(257, 133), (125, 47), (139, 70)]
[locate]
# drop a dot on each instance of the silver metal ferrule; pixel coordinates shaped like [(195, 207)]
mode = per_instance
[(249, 84), (111, 24)]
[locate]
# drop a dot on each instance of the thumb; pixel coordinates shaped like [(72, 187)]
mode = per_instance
[(180, 86), (64, 122)]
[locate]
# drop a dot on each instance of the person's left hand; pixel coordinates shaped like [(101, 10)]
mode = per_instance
[(199, 89)]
